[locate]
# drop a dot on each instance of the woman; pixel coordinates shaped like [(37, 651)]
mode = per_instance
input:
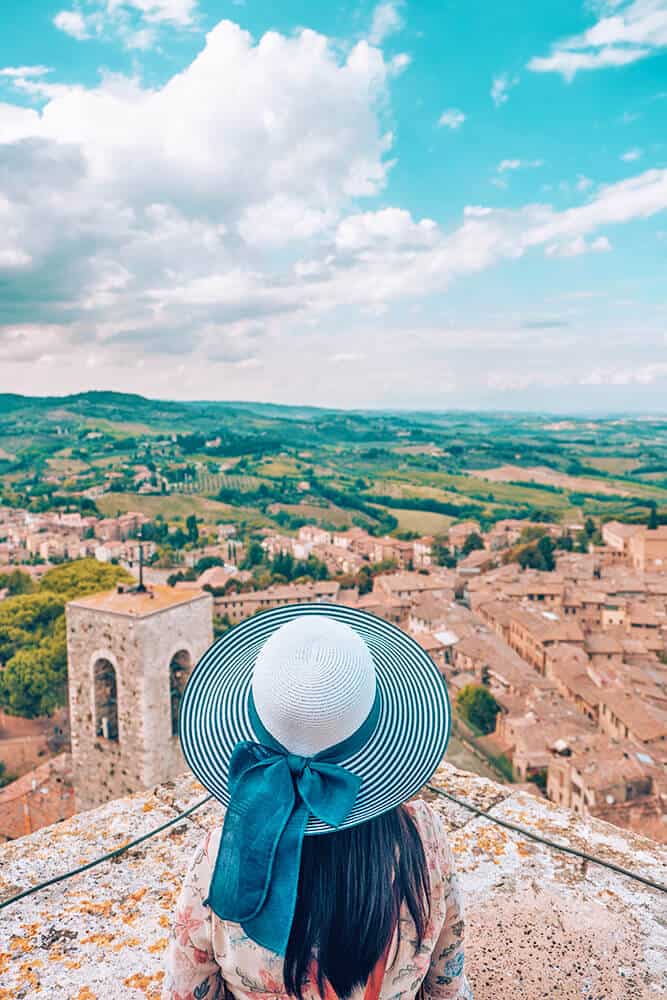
[(314, 724)]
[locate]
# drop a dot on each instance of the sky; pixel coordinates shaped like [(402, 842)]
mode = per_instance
[(424, 204)]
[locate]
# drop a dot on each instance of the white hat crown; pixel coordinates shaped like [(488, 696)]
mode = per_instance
[(313, 683)]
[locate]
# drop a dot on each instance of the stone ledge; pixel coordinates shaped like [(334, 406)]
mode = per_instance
[(540, 924)]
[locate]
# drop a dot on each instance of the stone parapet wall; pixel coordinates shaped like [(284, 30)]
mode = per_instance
[(540, 923)]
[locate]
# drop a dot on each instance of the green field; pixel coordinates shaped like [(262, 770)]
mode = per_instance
[(391, 471), (423, 521), (175, 507)]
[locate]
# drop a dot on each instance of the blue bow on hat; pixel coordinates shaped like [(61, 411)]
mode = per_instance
[(273, 793)]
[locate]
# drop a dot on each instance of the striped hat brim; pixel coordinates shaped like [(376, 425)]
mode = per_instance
[(406, 747)]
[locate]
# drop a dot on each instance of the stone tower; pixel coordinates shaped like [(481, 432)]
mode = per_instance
[(129, 655)]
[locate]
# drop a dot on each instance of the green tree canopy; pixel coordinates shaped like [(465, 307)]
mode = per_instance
[(33, 645), (476, 704), (473, 541), (17, 582)]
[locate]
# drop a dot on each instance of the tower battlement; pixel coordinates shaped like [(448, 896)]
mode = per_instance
[(129, 655)]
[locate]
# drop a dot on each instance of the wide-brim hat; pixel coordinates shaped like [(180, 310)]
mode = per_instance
[(404, 749)]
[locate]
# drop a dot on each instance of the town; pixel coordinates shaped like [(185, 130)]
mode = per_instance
[(552, 639)]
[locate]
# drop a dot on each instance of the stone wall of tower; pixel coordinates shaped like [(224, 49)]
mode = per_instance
[(140, 648)]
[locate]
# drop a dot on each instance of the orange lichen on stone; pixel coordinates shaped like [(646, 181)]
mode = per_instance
[(17, 942), (158, 945), (85, 993), (163, 920), (139, 981), (101, 939), (27, 976), (102, 909), (492, 841), (126, 943), (70, 963), (5, 959), (148, 807), (136, 896)]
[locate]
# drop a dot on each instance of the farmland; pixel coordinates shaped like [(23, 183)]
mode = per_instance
[(277, 466)]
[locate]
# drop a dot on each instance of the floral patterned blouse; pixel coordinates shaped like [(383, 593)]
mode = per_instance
[(205, 954)]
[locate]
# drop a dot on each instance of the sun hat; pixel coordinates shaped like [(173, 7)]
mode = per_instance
[(301, 720)]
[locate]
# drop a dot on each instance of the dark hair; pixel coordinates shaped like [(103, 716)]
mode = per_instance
[(352, 884)]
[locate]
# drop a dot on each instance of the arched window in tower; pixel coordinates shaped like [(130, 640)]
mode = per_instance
[(106, 700), (179, 671)]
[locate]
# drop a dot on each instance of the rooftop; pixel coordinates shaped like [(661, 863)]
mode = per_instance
[(540, 923), (138, 605)]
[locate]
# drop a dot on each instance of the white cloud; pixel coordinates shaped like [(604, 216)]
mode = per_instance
[(583, 182), (578, 246), (134, 22), (122, 192), (348, 357), (518, 164), (625, 33), (388, 227), (147, 220), (179, 12), (281, 220), (631, 155), (387, 20), (72, 23), (616, 375), (24, 71), (452, 118), (500, 87), (399, 62)]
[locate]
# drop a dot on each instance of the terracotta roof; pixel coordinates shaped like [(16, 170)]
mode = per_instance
[(428, 642), (602, 642), (623, 530), (643, 722)]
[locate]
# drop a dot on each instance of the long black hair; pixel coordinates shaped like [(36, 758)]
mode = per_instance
[(352, 884)]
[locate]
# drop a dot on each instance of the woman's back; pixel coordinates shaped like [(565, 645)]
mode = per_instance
[(207, 954)]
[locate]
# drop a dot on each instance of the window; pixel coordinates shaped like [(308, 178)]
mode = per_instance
[(106, 700), (179, 671)]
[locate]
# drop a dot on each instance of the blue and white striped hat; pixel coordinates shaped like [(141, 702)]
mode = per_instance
[(310, 677)]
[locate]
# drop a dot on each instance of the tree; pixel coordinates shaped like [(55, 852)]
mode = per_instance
[(206, 562), (33, 644), (539, 555), (442, 555), (17, 582), (653, 518), (191, 528), (478, 706), (545, 550), (589, 527), (5, 778), (283, 565), (254, 556), (34, 681), (472, 542)]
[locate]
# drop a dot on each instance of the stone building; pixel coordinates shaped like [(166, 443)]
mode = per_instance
[(129, 655)]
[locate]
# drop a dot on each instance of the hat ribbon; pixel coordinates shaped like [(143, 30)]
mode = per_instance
[(273, 794)]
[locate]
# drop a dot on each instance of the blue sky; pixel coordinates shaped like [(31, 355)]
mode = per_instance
[(433, 204)]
